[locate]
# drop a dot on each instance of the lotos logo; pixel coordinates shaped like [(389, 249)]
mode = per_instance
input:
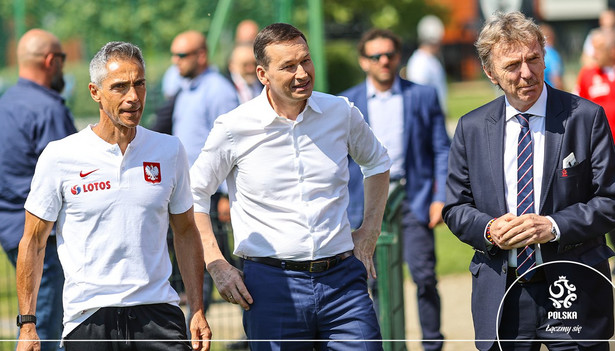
[(89, 187), (76, 189)]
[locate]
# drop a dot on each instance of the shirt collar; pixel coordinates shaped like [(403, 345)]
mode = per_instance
[(372, 92), (269, 115), (192, 84), (54, 94), (539, 108)]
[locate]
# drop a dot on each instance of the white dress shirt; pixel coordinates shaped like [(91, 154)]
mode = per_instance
[(511, 137), (287, 179)]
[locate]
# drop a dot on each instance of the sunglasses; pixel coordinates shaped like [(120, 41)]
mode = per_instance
[(377, 57), (182, 55), (61, 55)]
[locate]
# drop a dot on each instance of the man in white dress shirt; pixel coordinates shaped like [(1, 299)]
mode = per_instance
[(284, 156)]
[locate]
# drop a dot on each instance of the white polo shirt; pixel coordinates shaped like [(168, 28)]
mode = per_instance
[(112, 214)]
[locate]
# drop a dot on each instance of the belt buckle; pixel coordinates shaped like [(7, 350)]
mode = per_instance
[(319, 266)]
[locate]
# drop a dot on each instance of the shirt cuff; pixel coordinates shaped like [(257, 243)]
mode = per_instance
[(557, 232)]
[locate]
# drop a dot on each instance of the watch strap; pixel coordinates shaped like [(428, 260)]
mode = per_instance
[(25, 318)]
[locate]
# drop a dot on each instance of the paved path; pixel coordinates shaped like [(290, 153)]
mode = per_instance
[(455, 294)]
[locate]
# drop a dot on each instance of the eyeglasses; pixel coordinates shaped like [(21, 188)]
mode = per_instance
[(377, 57), (182, 55), (61, 55)]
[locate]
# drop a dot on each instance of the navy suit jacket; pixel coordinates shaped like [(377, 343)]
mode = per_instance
[(580, 199), (426, 146)]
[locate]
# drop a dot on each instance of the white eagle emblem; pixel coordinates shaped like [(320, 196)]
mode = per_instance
[(151, 172)]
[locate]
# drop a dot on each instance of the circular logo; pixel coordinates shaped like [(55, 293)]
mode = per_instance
[(76, 189)]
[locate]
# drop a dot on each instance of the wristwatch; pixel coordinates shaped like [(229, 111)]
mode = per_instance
[(25, 318), (554, 232)]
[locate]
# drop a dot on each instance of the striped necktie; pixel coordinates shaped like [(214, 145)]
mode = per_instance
[(525, 190)]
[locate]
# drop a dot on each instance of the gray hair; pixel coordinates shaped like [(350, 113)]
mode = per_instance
[(507, 28), (112, 50)]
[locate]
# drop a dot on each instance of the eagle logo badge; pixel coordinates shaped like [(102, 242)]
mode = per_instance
[(151, 172)]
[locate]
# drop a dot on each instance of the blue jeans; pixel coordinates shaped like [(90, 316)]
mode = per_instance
[(301, 307), (49, 311)]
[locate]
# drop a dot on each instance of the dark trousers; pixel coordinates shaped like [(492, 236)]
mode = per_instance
[(293, 309), (135, 328), (526, 324), (419, 254)]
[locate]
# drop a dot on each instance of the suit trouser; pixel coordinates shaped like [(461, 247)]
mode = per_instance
[(525, 317), (419, 254), (292, 309)]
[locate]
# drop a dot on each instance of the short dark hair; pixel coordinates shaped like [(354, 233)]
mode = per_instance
[(376, 33), (272, 34)]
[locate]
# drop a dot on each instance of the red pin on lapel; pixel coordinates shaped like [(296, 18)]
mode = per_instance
[(564, 173)]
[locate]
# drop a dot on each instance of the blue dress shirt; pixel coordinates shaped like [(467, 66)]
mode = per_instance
[(198, 104)]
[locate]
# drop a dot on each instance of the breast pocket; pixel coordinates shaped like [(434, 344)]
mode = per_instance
[(574, 183)]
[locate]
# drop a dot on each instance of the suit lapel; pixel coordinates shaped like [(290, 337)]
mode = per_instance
[(360, 101), (408, 113), (495, 123), (554, 134)]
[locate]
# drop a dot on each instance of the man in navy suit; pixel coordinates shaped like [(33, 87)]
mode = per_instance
[(571, 202), (408, 120)]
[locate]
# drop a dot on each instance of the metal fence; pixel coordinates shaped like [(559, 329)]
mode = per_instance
[(8, 304), (225, 320)]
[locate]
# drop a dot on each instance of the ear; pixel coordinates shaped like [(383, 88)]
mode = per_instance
[(489, 75), (364, 63), (202, 57), (94, 92), (261, 73), (48, 61)]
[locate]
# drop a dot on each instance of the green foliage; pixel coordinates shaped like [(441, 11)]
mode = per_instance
[(400, 16), (452, 255), (343, 70)]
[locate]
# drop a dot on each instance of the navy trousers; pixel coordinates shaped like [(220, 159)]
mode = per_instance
[(420, 255), (292, 310)]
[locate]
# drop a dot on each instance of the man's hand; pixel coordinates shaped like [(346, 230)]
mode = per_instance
[(28, 338), (229, 281), (435, 214), (199, 330), (364, 247), (510, 231)]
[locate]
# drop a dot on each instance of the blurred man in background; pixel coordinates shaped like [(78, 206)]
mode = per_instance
[(407, 118), (424, 66), (204, 95), (32, 114), (242, 71), (554, 71), (597, 82), (606, 20)]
